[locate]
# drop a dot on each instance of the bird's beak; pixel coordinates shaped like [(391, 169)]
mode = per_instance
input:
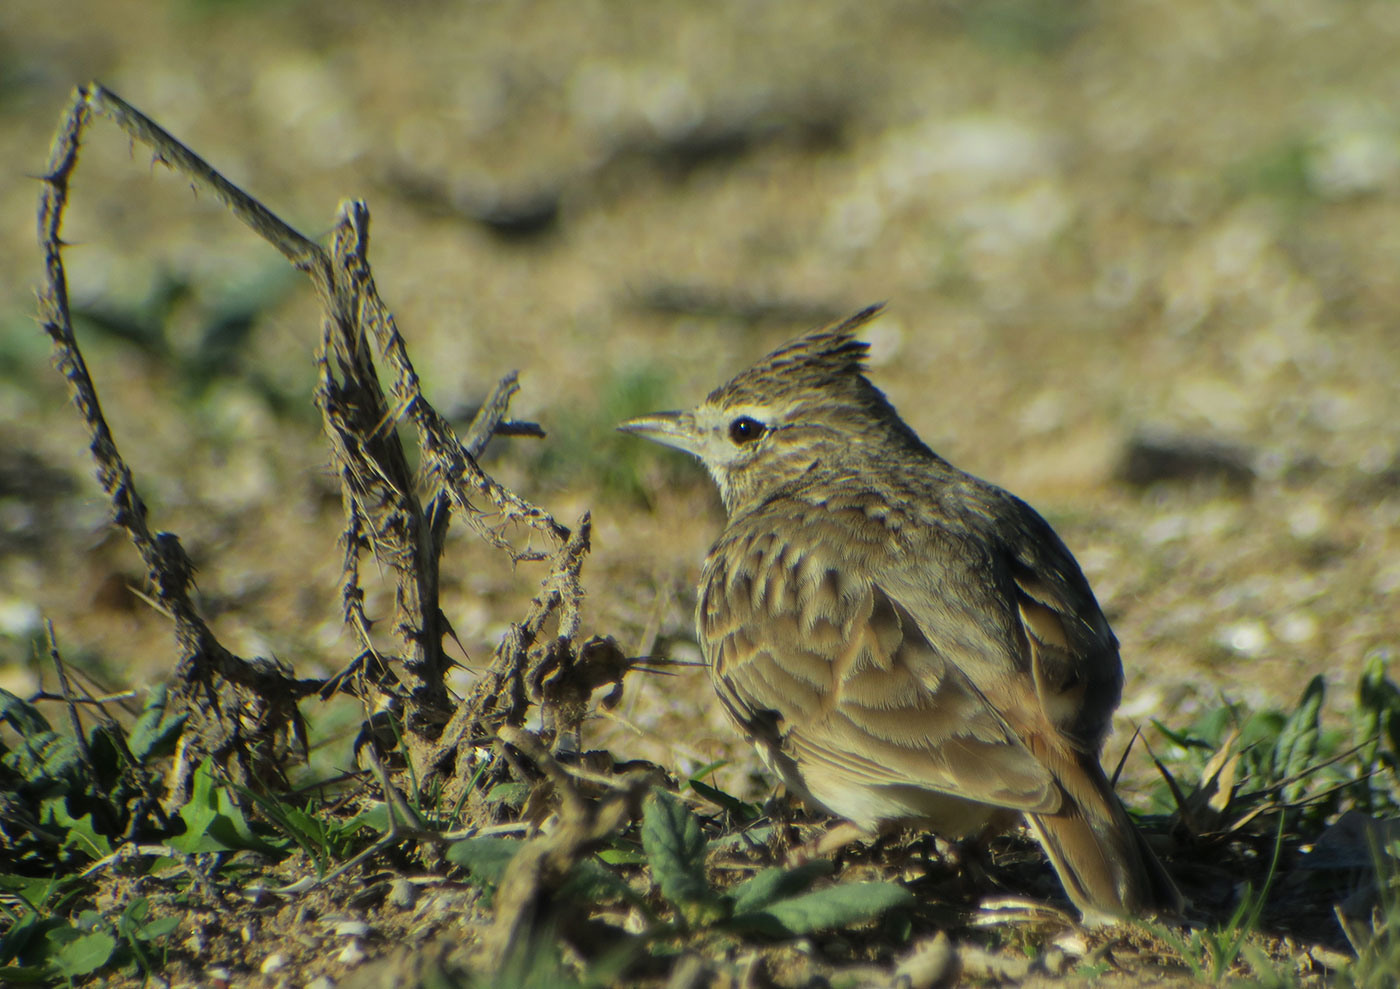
[(675, 429)]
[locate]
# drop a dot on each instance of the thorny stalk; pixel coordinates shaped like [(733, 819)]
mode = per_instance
[(400, 515)]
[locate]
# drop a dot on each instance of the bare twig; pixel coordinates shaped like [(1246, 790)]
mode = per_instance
[(303, 253), (69, 701), (400, 515), (544, 861), (231, 699), (525, 658)]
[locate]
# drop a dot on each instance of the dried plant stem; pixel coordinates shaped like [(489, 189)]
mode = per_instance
[(544, 861), (399, 514), (232, 701)]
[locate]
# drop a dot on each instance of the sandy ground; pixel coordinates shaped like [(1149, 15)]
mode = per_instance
[(1094, 223)]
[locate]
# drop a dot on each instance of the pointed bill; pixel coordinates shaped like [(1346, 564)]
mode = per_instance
[(675, 429)]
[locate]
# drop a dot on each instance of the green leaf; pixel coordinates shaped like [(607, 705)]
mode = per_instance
[(590, 880), (832, 907), (776, 884), (675, 848), (1179, 738), (78, 832), (707, 769), (213, 820), (25, 975), (157, 928), (15, 940), (622, 856), (45, 758), (82, 953), (22, 716), (485, 858), (155, 732), (1377, 707), (34, 890), (510, 794), (1296, 748), (136, 911), (108, 752), (740, 809), (375, 817)]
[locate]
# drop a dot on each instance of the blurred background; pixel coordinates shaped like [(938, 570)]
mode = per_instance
[(1140, 260)]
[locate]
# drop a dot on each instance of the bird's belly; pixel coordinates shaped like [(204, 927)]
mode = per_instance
[(872, 807)]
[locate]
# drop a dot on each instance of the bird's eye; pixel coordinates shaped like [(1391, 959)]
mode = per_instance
[(745, 429)]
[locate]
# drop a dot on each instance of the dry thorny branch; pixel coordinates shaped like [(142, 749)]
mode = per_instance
[(237, 706)]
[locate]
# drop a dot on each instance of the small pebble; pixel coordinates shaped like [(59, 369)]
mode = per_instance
[(272, 963), (1055, 961), (931, 962), (402, 894), (257, 894), (1072, 944), (691, 972), (1247, 638), (351, 954), (351, 928)]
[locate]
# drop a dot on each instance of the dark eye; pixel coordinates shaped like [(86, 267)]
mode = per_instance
[(745, 429)]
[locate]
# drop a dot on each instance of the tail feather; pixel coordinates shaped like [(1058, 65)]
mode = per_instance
[(1102, 859)]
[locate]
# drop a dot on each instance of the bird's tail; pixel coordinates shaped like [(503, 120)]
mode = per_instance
[(1102, 859)]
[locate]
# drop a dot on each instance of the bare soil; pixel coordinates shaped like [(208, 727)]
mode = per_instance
[(1140, 263)]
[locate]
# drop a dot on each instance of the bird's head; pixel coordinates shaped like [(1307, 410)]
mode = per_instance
[(807, 404)]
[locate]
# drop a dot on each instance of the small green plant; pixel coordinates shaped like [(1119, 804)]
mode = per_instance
[(73, 793), (1211, 953), (1275, 760), (740, 811), (71, 804), (776, 902), (1377, 943)]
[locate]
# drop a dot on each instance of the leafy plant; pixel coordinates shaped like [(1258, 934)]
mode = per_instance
[(1254, 762), (1377, 945), (776, 901), (72, 796), (1211, 952), (214, 821), (44, 945)]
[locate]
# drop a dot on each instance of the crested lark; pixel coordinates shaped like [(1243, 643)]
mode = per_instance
[(904, 642)]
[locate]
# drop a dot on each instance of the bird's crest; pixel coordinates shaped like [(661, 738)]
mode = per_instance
[(830, 360)]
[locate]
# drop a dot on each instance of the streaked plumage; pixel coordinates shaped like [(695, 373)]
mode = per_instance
[(902, 641)]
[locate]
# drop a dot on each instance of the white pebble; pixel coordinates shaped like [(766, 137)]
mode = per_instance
[(1248, 638), (1295, 628)]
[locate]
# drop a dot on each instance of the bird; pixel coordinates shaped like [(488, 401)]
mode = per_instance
[(905, 643)]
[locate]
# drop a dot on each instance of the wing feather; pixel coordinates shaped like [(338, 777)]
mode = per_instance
[(821, 664)]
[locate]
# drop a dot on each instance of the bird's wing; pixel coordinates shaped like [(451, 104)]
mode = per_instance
[(807, 645), (1029, 632)]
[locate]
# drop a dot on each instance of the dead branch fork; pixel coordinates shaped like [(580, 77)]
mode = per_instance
[(237, 704)]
